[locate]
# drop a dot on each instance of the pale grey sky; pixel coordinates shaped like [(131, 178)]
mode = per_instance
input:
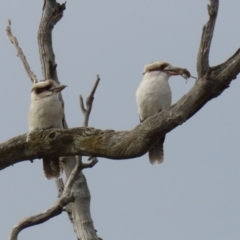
[(195, 193)]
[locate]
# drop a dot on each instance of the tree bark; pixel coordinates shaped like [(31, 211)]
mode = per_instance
[(122, 144)]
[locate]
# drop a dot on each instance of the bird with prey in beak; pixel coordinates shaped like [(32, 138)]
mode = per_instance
[(46, 111), (154, 95)]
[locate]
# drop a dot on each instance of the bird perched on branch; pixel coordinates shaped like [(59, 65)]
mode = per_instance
[(45, 112), (154, 95)]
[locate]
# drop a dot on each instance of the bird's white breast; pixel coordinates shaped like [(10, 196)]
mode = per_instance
[(45, 113), (153, 95)]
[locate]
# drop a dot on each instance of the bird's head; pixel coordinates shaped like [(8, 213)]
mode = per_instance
[(46, 88), (166, 69)]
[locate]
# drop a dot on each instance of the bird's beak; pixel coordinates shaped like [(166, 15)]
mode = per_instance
[(58, 88), (177, 71)]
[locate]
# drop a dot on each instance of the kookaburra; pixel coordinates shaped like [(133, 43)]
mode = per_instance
[(154, 95), (45, 112)]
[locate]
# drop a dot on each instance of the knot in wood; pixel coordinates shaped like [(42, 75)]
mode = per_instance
[(52, 135)]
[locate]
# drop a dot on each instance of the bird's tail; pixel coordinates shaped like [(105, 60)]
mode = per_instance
[(156, 152), (51, 167)]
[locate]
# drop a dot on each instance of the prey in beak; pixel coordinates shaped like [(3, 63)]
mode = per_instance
[(170, 70), (167, 68)]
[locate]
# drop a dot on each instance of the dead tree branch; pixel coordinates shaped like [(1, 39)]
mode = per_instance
[(89, 102), (83, 227), (66, 197), (20, 53), (51, 14), (207, 35), (79, 211), (124, 144), (85, 141), (86, 113)]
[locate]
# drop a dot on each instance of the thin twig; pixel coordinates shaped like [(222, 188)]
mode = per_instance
[(86, 113), (89, 102), (207, 34), (20, 53), (51, 14)]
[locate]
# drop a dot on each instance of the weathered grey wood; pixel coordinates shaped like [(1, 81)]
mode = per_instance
[(81, 218), (20, 53), (207, 35), (89, 101), (66, 197), (79, 211), (51, 14), (122, 144)]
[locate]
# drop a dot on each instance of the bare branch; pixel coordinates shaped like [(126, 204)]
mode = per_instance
[(79, 211), (66, 197), (207, 34), (20, 53), (91, 96), (124, 144), (82, 105), (229, 68), (52, 13), (89, 102), (40, 218), (86, 114)]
